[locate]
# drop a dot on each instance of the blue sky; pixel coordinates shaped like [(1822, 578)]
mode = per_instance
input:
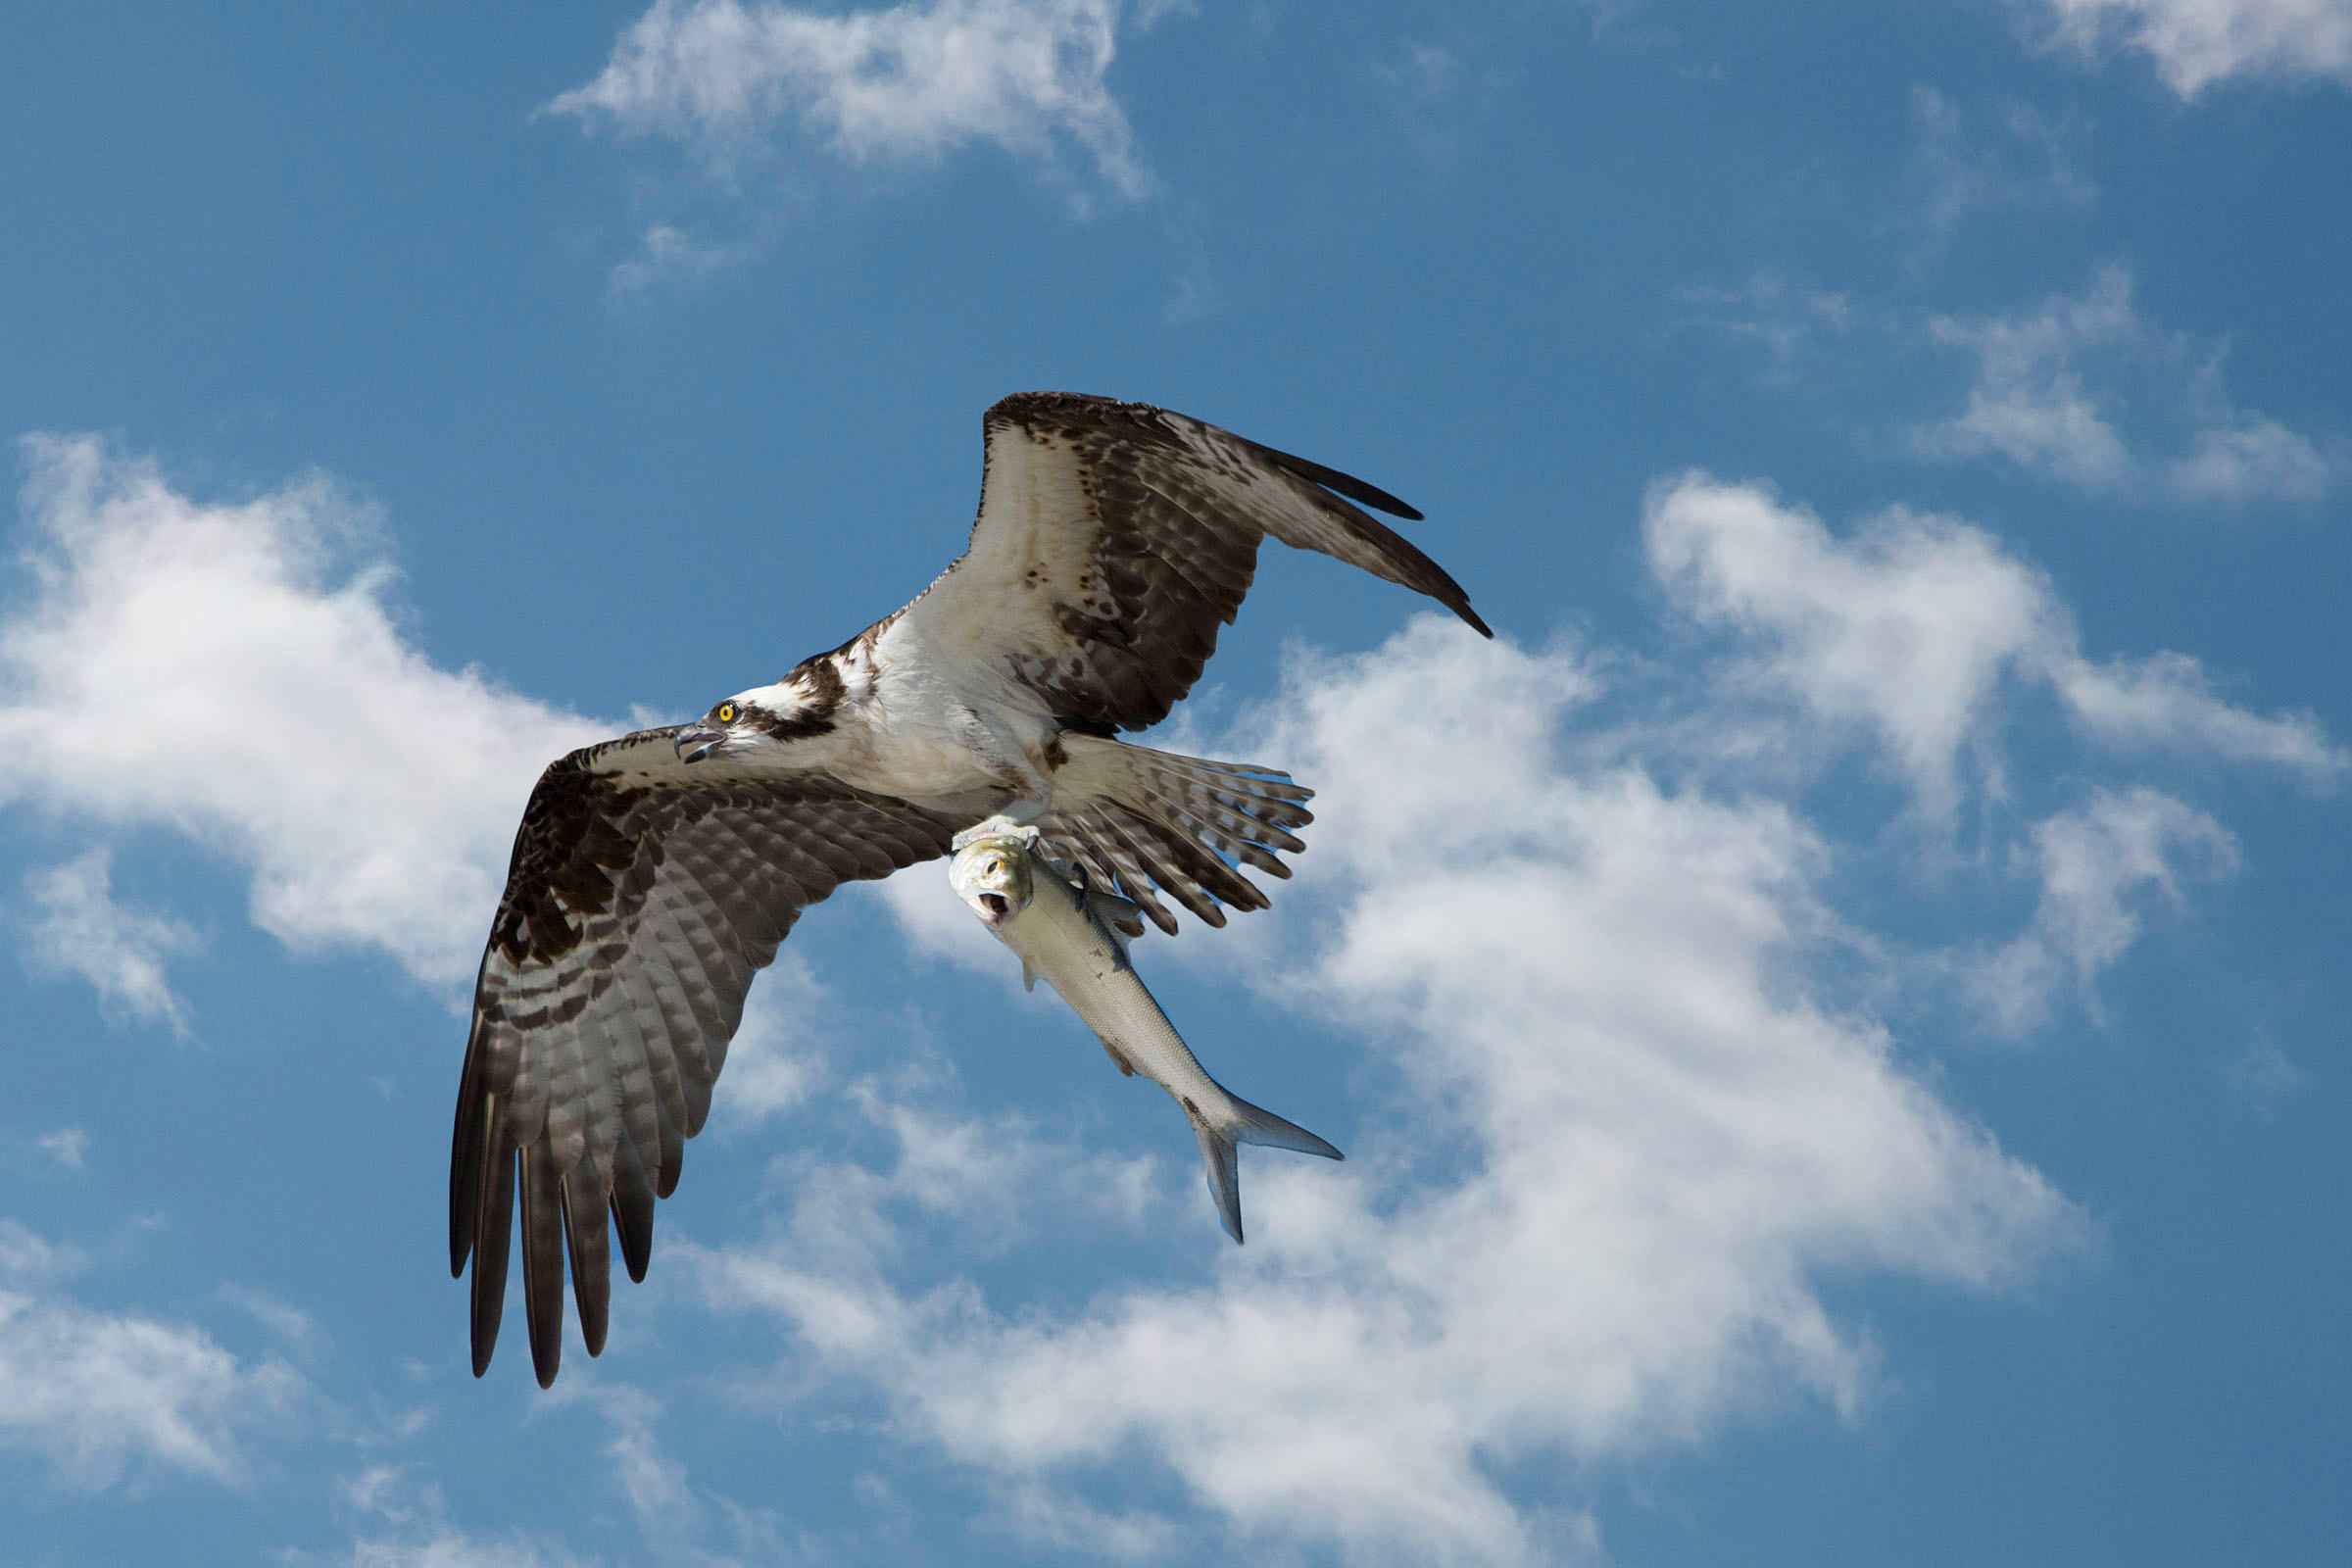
[(1836, 1015)]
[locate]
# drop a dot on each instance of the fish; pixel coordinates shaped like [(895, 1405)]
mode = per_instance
[(1076, 937)]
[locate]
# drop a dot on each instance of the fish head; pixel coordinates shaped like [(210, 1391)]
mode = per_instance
[(993, 875)]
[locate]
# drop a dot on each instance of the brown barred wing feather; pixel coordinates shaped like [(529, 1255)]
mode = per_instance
[(1114, 539), (643, 897)]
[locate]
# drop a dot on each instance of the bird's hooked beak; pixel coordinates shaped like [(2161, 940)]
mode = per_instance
[(693, 742)]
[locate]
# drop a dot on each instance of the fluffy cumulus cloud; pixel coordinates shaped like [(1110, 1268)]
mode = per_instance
[(1622, 1143), (910, 82), (1625, 1117), (2196, 43), (1625, 1114), (95, 1393), (233, 671)]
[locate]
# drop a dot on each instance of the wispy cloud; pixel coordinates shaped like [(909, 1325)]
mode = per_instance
[(81, 930), (1910, 629), (2077, 389), (1439, 91), (909, 84), (2099, 865), (1964, 170), (2262, 1075), (2030, 403), (399, 1519), (1782, 323), (283, 720), (2051, 388), (2248, 457), (95, 1393), (2196, 44), (667, 255), (70, 1146)]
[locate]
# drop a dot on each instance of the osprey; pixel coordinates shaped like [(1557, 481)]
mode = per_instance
[(654, 874)]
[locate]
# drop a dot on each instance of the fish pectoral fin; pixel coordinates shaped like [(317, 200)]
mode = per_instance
[(1123, 918), (1028, 976), (1118, 1060)]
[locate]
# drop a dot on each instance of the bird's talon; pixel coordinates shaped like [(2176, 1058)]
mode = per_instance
[(994, 827)]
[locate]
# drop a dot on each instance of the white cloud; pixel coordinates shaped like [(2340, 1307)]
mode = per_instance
[(2099, 865), (67, 1145), (1626, 1141), (2030, 403), (2249, 459), (81, 930), (423, 1536), (289, 1324), (2262, 1075), (911, 82), (455, 1549), (27, 1256), (1962, 170), (1782, 321), (233, 672), (2166, 701), (2079, 389), (1909, 630), (1624, 1118), (2195, 43), (644, 1471), (94, 1392), (1906, 630), (667, 255), (775, 1058), (1440, 93), (1070, 1524)]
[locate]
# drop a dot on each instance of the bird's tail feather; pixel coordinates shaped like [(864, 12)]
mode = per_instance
[(1140, 821)]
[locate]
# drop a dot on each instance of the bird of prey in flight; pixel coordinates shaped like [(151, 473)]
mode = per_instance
[(655, 874)]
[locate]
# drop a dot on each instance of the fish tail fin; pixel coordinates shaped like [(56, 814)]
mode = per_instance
[(1218, 1152), (1255, 1125), (1240, 1122)]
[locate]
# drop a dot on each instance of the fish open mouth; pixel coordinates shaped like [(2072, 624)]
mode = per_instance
[(997, 906)]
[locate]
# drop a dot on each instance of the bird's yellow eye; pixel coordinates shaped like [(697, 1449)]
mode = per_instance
[(726, 712)]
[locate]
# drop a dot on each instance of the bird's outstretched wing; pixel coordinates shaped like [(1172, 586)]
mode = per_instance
[(642, 897), (1114, 539)]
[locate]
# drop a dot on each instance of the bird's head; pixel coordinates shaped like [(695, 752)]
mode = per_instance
[(993, 876), (730, 730), (740, 727), (720, 730)]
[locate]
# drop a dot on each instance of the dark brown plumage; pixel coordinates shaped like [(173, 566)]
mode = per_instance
[(638, 906)]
